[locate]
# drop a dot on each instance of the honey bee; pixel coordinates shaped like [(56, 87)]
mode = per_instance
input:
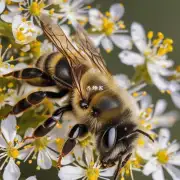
[(100, 106)]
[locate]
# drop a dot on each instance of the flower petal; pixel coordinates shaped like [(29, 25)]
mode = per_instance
[(173, 171), (122, 41), (96, 39), (175, 159), (95, 18), (8, 128), (3, 143), (145, 102), (9, 17), (176, 99), (11, 171), (108, 172), (138, 36), (160, 107), (122, 80), (131, 58), (32, 178), (44, 160), (117, 11), (71, 172), (158, 174), (107, 44), (164, 136), (150, 167), (2, 5)]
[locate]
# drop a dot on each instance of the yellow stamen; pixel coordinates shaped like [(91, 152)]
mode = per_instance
[(92, 173), (160, 35), (18, 163), (162, 156), (108, 26), (150, 34), (10, 85)]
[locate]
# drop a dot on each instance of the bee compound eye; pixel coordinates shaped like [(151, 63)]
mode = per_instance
[(78, 130), (109, 138)]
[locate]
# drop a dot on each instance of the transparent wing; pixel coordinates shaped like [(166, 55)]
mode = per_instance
[(86, 45)]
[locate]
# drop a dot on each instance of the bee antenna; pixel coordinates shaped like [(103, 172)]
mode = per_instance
[(145, 134)]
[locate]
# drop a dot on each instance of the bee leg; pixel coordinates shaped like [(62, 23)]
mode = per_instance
[(120, 165), (78, 131), (51, 122), (33, 76), (35, 98)]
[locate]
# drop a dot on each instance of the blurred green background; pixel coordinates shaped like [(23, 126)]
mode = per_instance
[(157, 15)]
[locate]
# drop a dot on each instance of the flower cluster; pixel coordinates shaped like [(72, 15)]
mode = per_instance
[(22, 42)]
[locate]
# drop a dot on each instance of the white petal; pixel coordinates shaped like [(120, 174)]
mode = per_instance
[(8, 128), (9, 17), (107, 44), (160, 107), (117, 11), (131, 58), (66, 29), (2, 142), (122, 80), (158, 174), (24, 153), (2, 6), (68, 159), (96, 39), (71, 173), (175, 159), (108, 172), (145, 102), (173, 171), (176, 99), (165, 120), (11, 171), (122, 41), (32, 178), (52, 154), (150, 167), (44, 160), (138, 36), (164, 136), (95, 18)]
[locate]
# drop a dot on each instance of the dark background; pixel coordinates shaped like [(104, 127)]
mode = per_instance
[(157, 15)]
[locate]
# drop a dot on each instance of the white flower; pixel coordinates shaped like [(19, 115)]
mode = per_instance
[(24, 31), (109, 28), (152, 63), (90, 169), (153, 54), (10, 148), (72, 11), (163, 155), (156, 116), (45, 149), (11, 6)]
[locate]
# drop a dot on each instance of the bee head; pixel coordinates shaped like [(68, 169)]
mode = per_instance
[(115, 141)]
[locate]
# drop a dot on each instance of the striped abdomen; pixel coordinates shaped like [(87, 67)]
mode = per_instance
[(56, 65)]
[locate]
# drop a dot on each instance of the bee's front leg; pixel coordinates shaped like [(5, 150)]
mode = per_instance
[(78, 131)]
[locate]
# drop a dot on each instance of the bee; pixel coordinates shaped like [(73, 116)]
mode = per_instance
[(100, 106)]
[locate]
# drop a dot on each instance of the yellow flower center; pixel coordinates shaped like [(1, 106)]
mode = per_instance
[(108, 26), (12, 151), (20, 35), (141, 141), (40, 143), (35, 8), (92, 173), (35, 49), (163, 156), (85, 142)]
